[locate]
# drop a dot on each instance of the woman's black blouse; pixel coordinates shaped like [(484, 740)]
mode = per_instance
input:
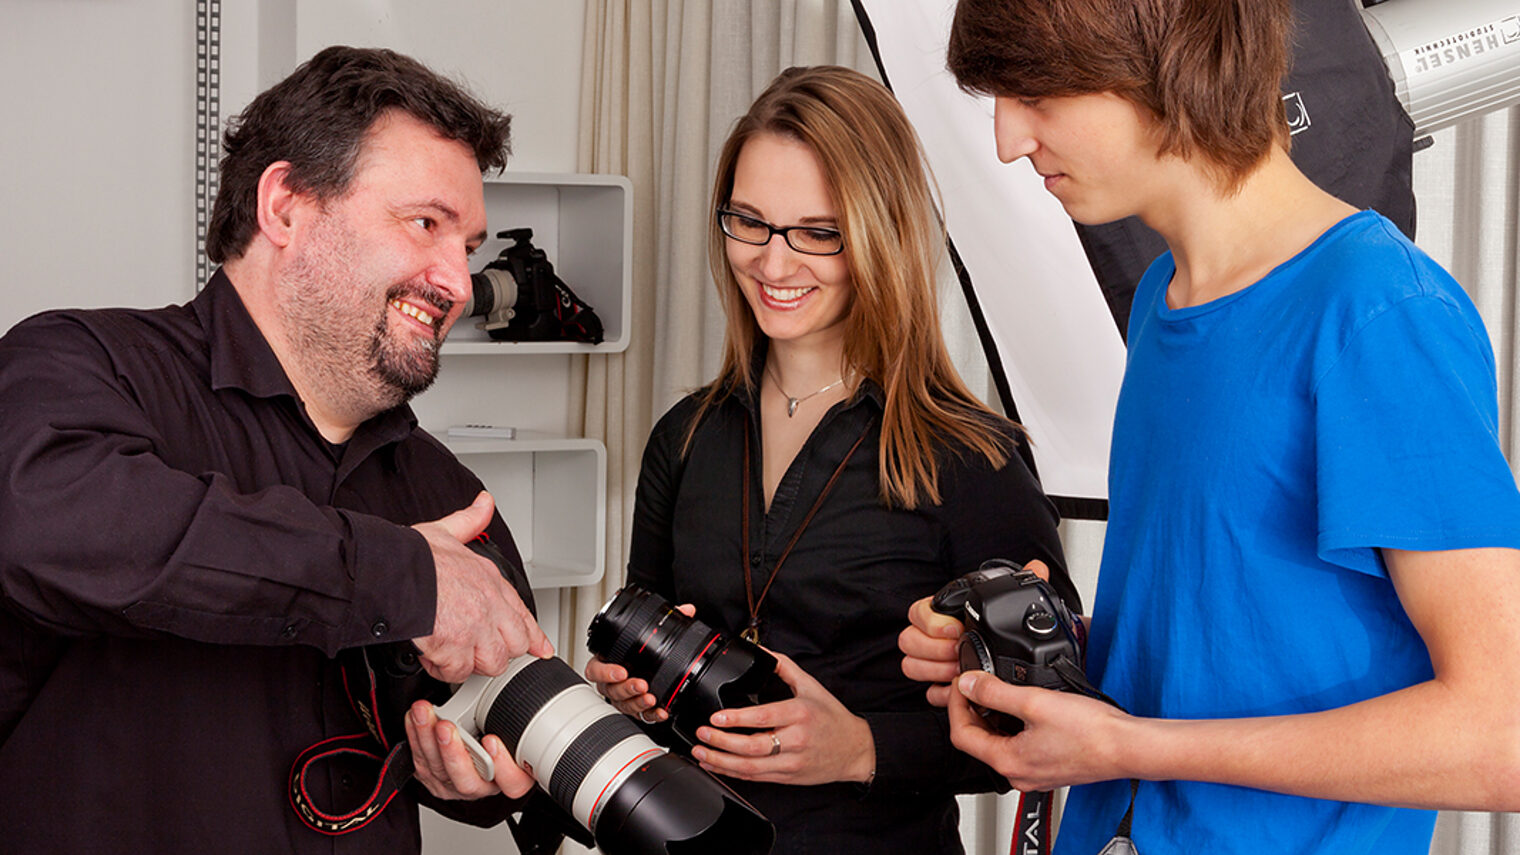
[(840, 599)]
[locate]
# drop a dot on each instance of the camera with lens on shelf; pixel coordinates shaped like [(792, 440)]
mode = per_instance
[(522, 299)]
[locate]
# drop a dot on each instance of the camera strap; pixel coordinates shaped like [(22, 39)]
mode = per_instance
[(751, 633), (388, 760), (381, 751), (1031, 825)]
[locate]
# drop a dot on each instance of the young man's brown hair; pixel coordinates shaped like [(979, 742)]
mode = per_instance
[(1210, 71)]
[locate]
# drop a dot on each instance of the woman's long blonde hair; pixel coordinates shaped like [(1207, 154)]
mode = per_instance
[(892, 238)]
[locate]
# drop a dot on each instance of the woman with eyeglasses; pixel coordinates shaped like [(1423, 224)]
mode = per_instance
[(836, 470)]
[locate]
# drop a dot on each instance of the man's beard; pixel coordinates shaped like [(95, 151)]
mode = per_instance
[(408, 371), (362, 366)]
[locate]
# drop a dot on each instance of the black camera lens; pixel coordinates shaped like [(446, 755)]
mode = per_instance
[(692, 669), (632, 795)]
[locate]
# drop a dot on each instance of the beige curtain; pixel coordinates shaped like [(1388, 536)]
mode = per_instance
[(663, 81), (1468, 187)]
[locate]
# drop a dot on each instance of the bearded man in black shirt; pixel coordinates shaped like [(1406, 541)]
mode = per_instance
[(201, 505)]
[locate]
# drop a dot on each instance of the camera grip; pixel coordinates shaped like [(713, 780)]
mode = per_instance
[(460, 710)]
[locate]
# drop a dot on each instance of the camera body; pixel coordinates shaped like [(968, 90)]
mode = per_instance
[(522, 299), (1016, 628), (693, 670)]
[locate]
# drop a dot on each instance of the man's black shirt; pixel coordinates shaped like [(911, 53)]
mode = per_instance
[(181, 554)]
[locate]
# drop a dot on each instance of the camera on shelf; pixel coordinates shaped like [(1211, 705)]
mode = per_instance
[(1016, 628), (631, 794), (523, 300), (693, 670)]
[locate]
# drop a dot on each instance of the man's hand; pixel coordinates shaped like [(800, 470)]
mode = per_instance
[(929, 644), (443, 765), (481, 623), (929, 649), (1067, 738)]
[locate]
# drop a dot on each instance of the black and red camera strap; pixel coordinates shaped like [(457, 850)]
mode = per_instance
[(381, 750), (1031, 825), (389, 759)]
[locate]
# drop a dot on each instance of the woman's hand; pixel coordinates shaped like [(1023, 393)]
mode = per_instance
[(809, 739), (629, 694)]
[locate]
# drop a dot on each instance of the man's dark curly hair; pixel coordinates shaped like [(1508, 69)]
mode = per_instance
[(317, 119)]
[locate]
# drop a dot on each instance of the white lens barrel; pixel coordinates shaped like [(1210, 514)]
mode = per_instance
[(575, 723), (578, 747)]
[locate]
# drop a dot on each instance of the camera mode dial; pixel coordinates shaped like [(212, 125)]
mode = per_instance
[(1040, 623)]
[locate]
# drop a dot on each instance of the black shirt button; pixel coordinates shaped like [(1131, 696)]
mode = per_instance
[(756, 559), (380, 628), (289, 632)]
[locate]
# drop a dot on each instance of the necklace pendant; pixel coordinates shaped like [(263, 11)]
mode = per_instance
[(751, 634), (791, 406)]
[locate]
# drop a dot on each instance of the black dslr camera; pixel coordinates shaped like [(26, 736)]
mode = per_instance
[(1017, 628), (522, 299)]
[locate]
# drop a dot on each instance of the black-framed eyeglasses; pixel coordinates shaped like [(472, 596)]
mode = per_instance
[(808, 240)]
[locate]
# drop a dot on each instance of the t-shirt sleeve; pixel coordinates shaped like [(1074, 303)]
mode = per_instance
[(1407, 441)]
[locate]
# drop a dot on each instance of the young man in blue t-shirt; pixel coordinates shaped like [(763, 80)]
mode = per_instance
[(1309, 600)]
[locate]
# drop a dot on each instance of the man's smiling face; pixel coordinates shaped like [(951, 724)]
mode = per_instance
[(381, 273)]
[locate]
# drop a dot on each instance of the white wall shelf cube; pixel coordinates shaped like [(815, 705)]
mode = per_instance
[(584, 224), (552, 492)]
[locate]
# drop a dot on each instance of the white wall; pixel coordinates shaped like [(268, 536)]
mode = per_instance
[(96, 154), (97, 151)]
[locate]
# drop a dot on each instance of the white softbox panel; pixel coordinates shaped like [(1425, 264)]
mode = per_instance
[(1050, 329)]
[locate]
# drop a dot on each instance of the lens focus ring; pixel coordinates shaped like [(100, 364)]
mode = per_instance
[(578, 759), (525, 695), (684, 658)]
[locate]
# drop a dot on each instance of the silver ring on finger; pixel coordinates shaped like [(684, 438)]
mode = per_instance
[(653, 719), (775, 744)]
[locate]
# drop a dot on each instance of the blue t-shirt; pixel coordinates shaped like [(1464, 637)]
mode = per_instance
[(1265, 445)]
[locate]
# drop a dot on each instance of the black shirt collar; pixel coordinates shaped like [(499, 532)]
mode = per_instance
[(241, 358)]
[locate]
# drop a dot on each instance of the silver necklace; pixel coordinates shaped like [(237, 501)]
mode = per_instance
[(791, 402)]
